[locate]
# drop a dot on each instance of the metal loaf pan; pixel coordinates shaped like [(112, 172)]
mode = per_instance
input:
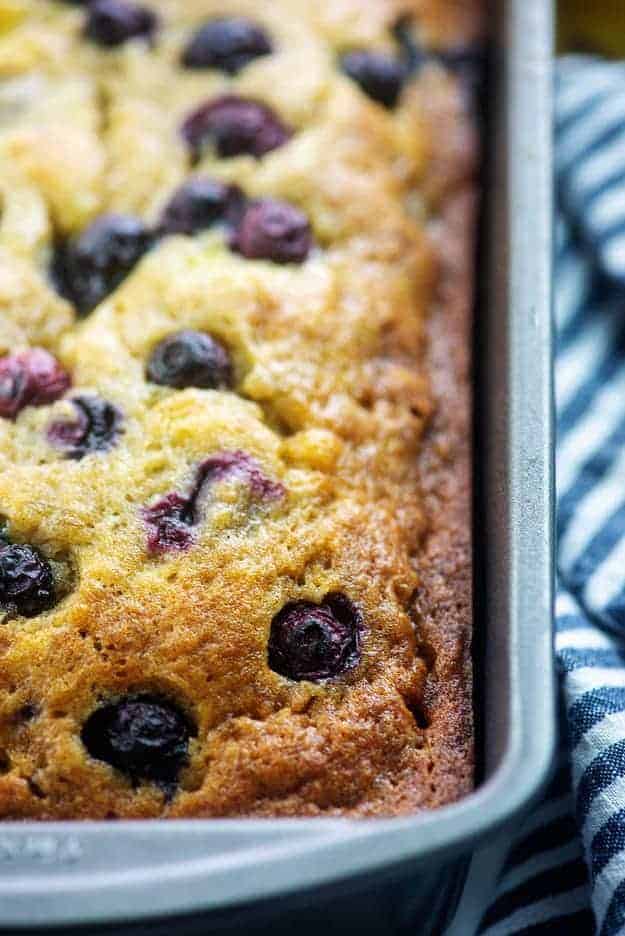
[(405, 874)]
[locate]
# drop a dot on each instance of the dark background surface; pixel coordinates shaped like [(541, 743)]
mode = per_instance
[(592, 26)]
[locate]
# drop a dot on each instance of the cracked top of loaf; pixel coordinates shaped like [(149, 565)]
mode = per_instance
[(235, 282)]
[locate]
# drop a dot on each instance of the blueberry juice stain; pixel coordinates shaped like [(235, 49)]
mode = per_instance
[(171, 520)]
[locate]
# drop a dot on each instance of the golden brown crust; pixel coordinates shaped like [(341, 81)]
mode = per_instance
[(352, 390)]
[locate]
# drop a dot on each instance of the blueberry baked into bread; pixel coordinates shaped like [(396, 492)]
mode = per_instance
[(235, 282)]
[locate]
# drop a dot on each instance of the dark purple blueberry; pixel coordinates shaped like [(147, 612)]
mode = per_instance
[(234, 126), (144, 736), (273, 230), (30, 378), (92, 265), (112, 22), (26, 581), (169, 523), (190, 359), (95, 429), (228, 464), (379, 75), (459, 58), (226, 44), (470, 64), (413, 52), (314, 642), (199, 204)]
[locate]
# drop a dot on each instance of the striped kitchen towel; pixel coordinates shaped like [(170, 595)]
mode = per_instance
[(566, 872)]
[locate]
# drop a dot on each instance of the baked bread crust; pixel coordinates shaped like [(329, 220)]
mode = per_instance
[(350, 393)]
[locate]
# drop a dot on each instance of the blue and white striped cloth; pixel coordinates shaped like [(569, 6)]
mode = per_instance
[(566, 872)]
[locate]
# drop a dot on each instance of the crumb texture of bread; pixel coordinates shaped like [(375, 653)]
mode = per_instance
[(255, 537)]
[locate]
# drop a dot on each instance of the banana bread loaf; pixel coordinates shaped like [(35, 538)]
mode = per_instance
[(235, 291)]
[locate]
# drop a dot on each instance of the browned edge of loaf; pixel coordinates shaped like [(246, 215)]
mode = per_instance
[(443, 602)]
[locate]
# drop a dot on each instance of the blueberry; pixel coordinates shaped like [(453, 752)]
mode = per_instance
[(169, 522), (26, 581), (190, 359), (380, 76), (199, 204), (413, 52), (226, 44), (92, 265), (315, 642), (469, 62), (144, 736), (112, 22), (225, 464), (30, 378), (234, 126), (96, 428), (460, 57), (273, 230)]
